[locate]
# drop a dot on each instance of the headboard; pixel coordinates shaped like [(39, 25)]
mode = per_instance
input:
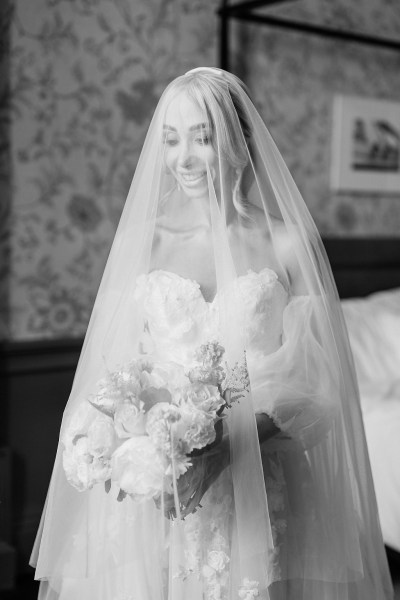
[(362, 266)]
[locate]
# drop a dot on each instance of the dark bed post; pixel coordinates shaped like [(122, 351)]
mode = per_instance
[(224, 35)]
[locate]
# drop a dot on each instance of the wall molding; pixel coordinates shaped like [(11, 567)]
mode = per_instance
[(35, 382), (25, 357)]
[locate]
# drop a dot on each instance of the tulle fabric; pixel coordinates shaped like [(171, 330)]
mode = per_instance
[(294, 518)]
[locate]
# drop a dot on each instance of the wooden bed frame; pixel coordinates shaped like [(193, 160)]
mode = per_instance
[(362, 266)]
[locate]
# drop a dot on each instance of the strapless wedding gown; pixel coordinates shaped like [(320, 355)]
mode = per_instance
[(310, 517), (278, 340)]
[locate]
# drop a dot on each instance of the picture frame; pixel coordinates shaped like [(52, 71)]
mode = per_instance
[(365, 145)]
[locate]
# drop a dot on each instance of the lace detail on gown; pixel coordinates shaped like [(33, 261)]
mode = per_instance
[(292, 380), (179, 320)]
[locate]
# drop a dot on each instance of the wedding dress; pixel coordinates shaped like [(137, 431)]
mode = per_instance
[(217, 307)]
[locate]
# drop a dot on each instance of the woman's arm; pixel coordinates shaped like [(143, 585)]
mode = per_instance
[(207, 467), (266, 427)]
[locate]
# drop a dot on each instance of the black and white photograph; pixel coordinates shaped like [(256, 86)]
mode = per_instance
[(199, 300), (366, 144)]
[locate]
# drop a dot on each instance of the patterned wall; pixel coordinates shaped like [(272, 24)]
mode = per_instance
[(84, 78), (294, 77), (79, 82)]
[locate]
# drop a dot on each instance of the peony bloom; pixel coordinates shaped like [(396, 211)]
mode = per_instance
[(138, 468), (142, 425), (82, 469)]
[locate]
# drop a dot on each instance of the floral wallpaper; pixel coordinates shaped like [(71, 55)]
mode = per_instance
[(79, 80), (294, 77), (5, 169)]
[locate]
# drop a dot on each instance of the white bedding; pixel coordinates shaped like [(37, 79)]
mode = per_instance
[(374, 330)]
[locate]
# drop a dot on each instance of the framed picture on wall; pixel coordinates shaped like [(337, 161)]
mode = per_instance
[(365, 145)]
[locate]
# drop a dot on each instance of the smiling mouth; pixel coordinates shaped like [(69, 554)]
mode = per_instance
[(192, 177)]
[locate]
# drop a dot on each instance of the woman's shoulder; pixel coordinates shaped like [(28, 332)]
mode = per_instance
[(266, 226), (271, 234)]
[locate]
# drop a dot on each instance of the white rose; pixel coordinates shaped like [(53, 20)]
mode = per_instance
[(138, 468), (206, 397), (129, 420), (217, 560)]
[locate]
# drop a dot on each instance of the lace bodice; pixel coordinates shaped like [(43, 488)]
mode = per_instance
[(179, 319), (290, 378)]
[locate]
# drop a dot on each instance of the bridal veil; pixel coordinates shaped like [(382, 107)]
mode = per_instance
[(216, 258)]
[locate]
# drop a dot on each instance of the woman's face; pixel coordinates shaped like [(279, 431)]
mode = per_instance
[(188, 146)]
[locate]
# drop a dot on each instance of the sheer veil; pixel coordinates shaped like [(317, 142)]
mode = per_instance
[(215, 247)]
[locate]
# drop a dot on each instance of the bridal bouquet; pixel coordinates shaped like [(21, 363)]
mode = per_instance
[(146, 420)]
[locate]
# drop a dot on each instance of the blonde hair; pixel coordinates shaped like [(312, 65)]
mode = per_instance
[(218, 94)]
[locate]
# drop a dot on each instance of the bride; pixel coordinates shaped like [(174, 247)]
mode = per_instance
[(212, 446)]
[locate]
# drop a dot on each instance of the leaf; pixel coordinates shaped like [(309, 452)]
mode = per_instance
[(109, 412), (122, 494)]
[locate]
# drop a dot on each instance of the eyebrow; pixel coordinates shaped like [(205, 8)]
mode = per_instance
[(196, 127)]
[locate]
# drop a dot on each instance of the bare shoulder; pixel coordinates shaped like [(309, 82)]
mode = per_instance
[(270, 228), (285, 242), (286, 245)]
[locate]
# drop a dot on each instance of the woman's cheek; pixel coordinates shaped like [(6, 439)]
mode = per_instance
[(170, 161), (210, 158)]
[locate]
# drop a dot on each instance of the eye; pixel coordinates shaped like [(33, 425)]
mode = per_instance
[(170, 141), (204, 140)]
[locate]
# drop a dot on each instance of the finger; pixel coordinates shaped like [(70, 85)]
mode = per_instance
[(171, 514), (192, 503), (166, 503)]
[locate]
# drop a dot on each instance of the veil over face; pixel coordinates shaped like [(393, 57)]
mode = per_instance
[(217, 303)]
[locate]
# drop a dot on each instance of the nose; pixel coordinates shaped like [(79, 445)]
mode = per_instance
[(184, 158)]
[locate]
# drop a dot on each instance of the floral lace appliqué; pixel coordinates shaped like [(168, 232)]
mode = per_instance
[(249, 590), (215, 574), (275, 486)]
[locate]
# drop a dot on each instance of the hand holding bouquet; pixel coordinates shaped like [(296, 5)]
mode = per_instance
[(148, 421)]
